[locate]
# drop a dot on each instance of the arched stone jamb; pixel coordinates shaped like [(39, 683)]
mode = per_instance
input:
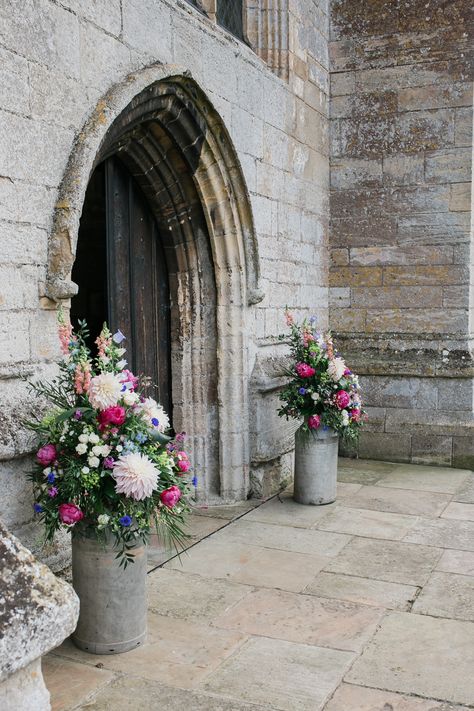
[(144, 120)]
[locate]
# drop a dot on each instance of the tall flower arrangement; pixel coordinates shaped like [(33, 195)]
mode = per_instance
[(104, 464), (322, 390)]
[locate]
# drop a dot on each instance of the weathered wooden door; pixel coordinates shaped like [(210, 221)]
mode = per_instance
[(121, 271)]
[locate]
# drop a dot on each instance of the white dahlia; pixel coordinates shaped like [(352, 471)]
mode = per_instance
[(135, 475), (104, 391), (336, 369), (154, 415)]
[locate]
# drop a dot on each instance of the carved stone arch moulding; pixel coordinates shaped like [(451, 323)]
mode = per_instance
[(161, 125)]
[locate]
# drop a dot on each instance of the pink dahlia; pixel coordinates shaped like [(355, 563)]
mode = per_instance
[(46, 454), (170, 497), (342, 399), (70, 514), (304, 370), (135, 475), (314, 421)]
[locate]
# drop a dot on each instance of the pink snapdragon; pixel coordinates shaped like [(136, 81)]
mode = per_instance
[(314, 421), (46, 454), (102, 343), (304, 370), (82, 378), (65, 333), (341, 399), (70, 514)]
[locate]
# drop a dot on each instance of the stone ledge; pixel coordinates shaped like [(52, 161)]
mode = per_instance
[(37, 610)]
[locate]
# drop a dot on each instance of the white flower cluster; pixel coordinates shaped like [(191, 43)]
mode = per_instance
[(104, 391), (336, 369), (153, 413), (91, 445)]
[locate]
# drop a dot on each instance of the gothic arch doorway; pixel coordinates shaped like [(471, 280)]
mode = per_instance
[(164, 130), (122, 275)]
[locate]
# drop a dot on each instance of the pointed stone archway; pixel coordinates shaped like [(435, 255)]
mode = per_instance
[(164, 129)]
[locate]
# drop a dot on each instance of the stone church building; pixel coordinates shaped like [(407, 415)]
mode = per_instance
[(188, 168)]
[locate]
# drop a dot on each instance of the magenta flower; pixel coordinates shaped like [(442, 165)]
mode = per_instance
[(183, 465), (342, 399), (46, 454), (355, 415), (109, 463), (304, 370), (70, 514), (314, 421), (171, 496), (53, 491)]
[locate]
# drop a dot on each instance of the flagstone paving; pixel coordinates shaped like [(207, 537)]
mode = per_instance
[(366, 604)]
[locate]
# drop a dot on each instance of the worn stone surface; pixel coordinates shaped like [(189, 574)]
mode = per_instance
[(453, 561), (444, 533), (283, 674), (385, 661), (401, 501), (283, 511), (396, 562), (447, 595), (369, 524), (459, 511), (426, 479), (359, 698), (302, 618), (67, 681), (362, 590)]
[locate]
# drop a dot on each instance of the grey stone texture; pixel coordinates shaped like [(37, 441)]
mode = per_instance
[(400, 209), (384, 625)]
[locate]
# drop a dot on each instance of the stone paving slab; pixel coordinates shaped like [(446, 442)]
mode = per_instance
[(419, 655), (435, 479), (191, 597), (250, 565), (461, 562), (130, 694), (228, 513), (447, 595), (401, 501), (356, 471), (286, 675), (303, 618), (68, 681), (177, 653), (358, 698), (370, 524), (283, 538), (459, 511), (284, 511), (392, 561), (362, 590), (443, 533), (465, 493)]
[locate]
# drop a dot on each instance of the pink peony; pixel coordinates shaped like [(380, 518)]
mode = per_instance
[(314, 421), (171, 496), (304, 370), (183, 465), (46, 454), (342, 399), (114, 415), (355, 415), (70, 514)]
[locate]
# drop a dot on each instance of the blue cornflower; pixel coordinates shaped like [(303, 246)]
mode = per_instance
[(195, 481), (155, 422), (38, 508), (302, 391), (313, 319), (123, 388), (125, 521), (51, 478), (141, 437)]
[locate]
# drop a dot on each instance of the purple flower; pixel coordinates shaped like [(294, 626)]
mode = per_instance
[(180, 437), (302, 391), (109, 463), (118, 337), (52, 492), (77, 415), (38, 508), (51, 477), (125, 521)]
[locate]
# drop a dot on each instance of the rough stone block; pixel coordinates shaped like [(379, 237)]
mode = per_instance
[(463, 127), (14, 338), (348, 320), (433, 275), (460, 200), (403, 169), (394, 448), (393, 391), (397, 296), (432, 449), (416, 321), (14, 82), (434, 228), (387, 255), (355, 172), (463, 452), (449, 166), (456, 394), (104, 14), (355, 276), (435, 97)]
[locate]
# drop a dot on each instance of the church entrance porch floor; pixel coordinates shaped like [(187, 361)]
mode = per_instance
[(366, 604)]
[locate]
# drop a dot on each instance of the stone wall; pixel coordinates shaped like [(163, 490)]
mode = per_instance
[(59, 59), (402, 267)]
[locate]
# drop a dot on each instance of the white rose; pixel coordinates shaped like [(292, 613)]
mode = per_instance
[(97, 450), (85, 470), (103, 519), (315, 397), (130, 398), (83, 438), (106, 450), (93, 438), (93, 462), (81, 448), (345, 418), (119, 448), (47, 471)]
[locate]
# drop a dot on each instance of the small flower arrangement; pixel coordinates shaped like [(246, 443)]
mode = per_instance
[(323, 390), (105, 464)]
